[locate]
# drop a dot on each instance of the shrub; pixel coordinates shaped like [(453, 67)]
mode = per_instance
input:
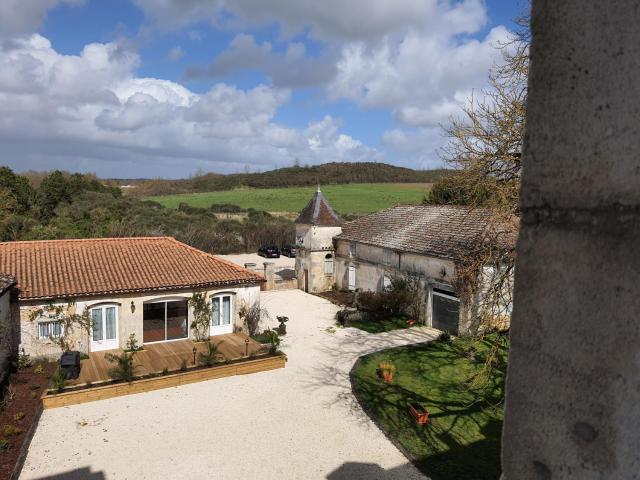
[(4, 445), (165, 371), (402, 297), (251, 317), (39, 370), (34, 387), (58, 379), (24, 361), (274, 343), (209, 357), (124, 368), (33, 394), (11, 430), (18, 417), (444, 337), (183, 365), (132, 343)]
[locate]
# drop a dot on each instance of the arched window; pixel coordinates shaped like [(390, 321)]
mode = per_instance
[(328, 264)]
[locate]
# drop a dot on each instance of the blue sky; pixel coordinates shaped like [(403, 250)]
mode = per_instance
[(147, 88)]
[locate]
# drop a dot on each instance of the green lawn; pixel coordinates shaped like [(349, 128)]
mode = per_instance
[(348, 198), (462, 439), (381, 325)]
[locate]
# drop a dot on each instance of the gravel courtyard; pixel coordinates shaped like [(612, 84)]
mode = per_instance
[(300, 422)]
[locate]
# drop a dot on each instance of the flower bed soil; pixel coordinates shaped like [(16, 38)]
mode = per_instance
[(18, 418)]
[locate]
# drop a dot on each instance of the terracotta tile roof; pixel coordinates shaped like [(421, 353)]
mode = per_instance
[(318, 212), (443, 231), (6, 282), (107, 266)]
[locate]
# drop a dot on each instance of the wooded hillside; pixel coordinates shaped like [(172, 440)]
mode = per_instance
[(296, 176)]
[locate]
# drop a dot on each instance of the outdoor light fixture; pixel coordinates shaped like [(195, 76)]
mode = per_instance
[(246, 343), (195, 350), (133, 307)]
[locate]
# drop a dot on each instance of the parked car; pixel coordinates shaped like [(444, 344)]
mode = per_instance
[(269, 251), (289, 251)]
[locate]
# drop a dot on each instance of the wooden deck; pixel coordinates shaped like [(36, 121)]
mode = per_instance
[(157, 356)]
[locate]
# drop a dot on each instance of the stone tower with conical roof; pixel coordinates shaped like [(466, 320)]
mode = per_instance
[(316, 226)]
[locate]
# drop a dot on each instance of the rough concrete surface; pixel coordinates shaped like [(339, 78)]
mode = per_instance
[(300, 422), (573, 384)]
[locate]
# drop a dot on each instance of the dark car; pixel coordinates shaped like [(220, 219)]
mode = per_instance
[(289, 251), (270, 251)]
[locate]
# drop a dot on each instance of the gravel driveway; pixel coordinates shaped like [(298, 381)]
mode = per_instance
[(300, 422)]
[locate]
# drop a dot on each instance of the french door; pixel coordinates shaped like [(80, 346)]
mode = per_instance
[(104, 328), (221, 315)]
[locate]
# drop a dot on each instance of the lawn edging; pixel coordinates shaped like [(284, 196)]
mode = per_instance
[(54, 400)]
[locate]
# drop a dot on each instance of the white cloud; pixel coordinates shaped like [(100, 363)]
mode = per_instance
[(423, 78), (90, 111)]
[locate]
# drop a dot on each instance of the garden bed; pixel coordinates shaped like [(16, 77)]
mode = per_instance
[(110, 389), (462, 436), (21, 410)]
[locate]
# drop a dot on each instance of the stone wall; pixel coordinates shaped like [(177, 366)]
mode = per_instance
[(573, 384)]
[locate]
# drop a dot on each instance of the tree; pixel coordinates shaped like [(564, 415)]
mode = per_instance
[(18, 189), (485, 148), (485, 145)]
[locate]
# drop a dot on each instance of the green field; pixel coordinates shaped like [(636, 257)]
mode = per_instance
[(350, 198)]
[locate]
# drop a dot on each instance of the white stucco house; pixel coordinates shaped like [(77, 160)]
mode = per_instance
[(127, 285), (425, 241)]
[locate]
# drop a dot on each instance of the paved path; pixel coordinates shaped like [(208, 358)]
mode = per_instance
[(300, 422)]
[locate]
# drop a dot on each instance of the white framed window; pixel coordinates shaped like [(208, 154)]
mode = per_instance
[(221, 314), (353, 249), (386, 256), (328, 264), (386, 282), (52, 329)]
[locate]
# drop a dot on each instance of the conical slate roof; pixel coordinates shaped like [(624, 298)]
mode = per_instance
[(318, 212)]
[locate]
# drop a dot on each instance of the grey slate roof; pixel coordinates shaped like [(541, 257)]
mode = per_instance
[(6, 282), (443, 231), (318, 212)]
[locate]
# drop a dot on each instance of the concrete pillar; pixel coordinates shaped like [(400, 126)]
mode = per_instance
[(573, 385), (270, 275)]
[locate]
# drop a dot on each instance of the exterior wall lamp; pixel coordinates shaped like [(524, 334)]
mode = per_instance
[(133, 307)]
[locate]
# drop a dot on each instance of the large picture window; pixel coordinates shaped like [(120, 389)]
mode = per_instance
[(165, 320)]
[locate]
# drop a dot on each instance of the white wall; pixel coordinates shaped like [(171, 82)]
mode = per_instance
[(128, 321)]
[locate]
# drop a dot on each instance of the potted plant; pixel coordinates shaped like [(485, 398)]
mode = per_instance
[(387, 371), (419, 413)]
